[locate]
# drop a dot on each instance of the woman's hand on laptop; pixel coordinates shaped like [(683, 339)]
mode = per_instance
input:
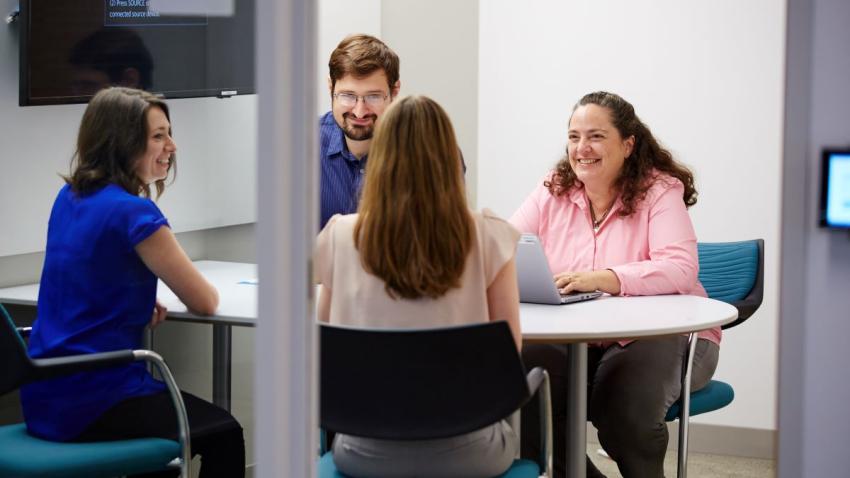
[(587, 281)]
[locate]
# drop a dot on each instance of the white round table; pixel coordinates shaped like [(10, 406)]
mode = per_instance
[(607, 319)]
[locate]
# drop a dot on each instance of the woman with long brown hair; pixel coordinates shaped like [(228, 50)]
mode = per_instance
[(415, 256)]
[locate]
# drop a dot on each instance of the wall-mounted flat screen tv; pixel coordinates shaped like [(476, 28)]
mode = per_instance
[(70, 49), (835, 188)]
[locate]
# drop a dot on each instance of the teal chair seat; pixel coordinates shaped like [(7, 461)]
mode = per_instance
[(713, 396), (519, 469), (25, 455)]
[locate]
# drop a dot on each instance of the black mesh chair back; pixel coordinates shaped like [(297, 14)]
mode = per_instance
[(419, 384)]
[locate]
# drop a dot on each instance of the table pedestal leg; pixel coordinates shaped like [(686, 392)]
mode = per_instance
[(685, 414), (577, 410), (221, 366)]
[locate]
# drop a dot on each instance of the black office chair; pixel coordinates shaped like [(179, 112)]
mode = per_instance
[(427, 383), (22, 455), (732, 272)]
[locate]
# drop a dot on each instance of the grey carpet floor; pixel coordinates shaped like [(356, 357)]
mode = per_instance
[(700, 465)]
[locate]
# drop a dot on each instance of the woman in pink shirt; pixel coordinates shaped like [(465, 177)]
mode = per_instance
[(613, 216)]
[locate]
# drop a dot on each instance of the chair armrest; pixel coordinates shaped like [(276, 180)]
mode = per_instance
[(57, 366), (179, 407), (534, 378), (52, 367), (538, 382)]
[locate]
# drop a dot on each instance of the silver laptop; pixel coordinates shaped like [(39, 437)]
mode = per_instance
[(535, 278)]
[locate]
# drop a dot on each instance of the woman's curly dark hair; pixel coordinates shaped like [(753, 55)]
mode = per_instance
[(647, 156)]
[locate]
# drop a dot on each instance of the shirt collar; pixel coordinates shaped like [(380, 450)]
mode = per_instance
[(579, 198)]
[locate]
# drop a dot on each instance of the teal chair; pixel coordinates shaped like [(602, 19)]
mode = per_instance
[(427, 383), (23, 456), (732, 272)]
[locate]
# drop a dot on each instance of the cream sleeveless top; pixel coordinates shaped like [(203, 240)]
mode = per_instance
[(359, 299)]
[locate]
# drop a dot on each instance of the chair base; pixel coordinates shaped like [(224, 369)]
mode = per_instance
[(519, 469), (22, 455)]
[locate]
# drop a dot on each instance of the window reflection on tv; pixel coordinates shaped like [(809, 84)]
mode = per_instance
[(835, 188), (72, 49)]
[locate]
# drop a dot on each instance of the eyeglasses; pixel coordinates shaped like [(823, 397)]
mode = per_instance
[(349, 100)]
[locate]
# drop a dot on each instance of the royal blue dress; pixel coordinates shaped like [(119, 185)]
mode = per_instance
[(96, 295)]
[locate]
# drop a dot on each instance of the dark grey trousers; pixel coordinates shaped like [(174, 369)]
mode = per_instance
[(483, 453), (628, 393)]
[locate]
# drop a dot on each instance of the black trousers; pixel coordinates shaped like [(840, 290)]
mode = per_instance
[(215, 434), (628, 393)]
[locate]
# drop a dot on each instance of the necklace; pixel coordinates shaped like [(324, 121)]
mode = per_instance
[(598, 222)]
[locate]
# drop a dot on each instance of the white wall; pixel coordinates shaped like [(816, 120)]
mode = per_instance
[(216, 150), (706, 77), (338, 19), (439, 59)]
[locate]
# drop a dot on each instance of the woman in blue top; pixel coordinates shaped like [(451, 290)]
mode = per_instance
[(107, 243)]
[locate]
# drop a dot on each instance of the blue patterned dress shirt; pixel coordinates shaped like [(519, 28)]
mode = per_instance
[(341, 172)]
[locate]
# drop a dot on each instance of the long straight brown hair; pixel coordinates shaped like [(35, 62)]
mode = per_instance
[(414, 228)]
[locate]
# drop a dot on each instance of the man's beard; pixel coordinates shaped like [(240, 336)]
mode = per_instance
[(358, 133)]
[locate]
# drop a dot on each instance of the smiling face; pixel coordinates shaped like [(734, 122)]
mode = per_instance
[(595, 148), (155, 161), (358, 121)]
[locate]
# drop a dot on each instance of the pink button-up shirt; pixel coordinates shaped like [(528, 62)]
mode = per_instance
[(652, 252)]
